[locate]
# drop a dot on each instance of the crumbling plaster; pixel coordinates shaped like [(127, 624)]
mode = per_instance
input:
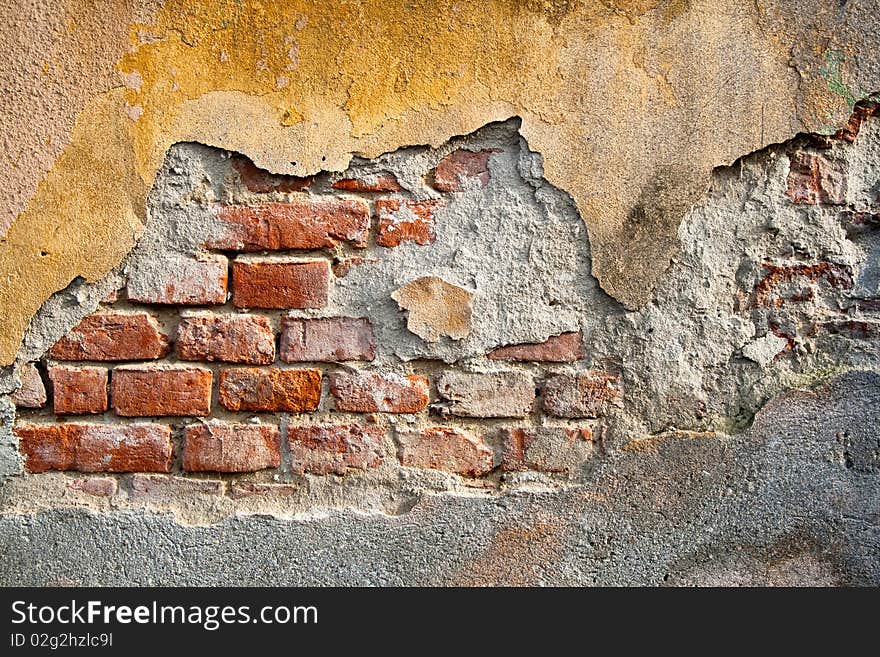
[(632, 104)]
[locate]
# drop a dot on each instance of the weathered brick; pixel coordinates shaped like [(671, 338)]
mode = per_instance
[(32, 393), (96, 447), (164, 488), (335, 448), (545, 449), (587, 394), (496, 394), (814, 179), (227, 338), (562, 348), (261, 181), (223, 447), (371, 392), (181, 281), (161, 390), (280, 283), (97, 486), (444, 448), (331, 339), (383, 182), (343, 266), (113, 336), (78, 390), (405, 221), (797, 281), (299, 224), (273, 390), (455, 169)]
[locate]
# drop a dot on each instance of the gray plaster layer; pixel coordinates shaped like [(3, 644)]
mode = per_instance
[(793, 501)]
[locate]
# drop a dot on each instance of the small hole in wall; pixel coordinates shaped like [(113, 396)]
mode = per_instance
[(293, 164), (44, 253), (323, 158)]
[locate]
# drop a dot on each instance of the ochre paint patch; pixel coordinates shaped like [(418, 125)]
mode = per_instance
[(631, 103)]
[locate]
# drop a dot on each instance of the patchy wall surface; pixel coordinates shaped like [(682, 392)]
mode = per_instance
[(632, 103), (407, 373)]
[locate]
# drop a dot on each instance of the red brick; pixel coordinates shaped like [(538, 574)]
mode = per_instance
[(78, 390), (273, 390), (796, 282), (157, 391), (32, 393), (334, 448), (548, 449), (96, 447), (332, 339), (227, 338), (97, 486), (383, 182), (342, 267), (164, 488), (405, 221), (185, 282), (369, 392), (460, 166), (814, 179), (298, 224), (113, 336), (280, 284), (581, 395), (222, 447), (261, 181), (443, 448), (494, 394), (562, 348)]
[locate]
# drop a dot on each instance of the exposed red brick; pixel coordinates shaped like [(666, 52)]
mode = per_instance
[(222, 447), (301, 224), (335, 448), (190, 282), (97, 486), (244, 489), (383, 182), (443, 448), (280, 284), (371, 392), (261, 181), (162, 488), (814, 179), (156, 391), (549, 449), (461, 165), (795, 282), (96, 447), (405, 221), (78, 390), (331, 339), (227, 338), (113, 336), (274, 390), (496, 394), (863, 109), (581, 395), (342, 267), (32, 393), (562, 348)]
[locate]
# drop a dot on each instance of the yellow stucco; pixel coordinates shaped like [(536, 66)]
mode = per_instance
[(631, 104)]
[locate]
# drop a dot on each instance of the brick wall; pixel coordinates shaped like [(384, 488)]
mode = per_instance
[(235, 363)]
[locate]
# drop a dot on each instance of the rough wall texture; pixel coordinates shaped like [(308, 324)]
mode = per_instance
[(412, 359), (441, 293)]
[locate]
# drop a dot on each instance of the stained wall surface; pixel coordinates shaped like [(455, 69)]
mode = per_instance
[(544, 292)]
